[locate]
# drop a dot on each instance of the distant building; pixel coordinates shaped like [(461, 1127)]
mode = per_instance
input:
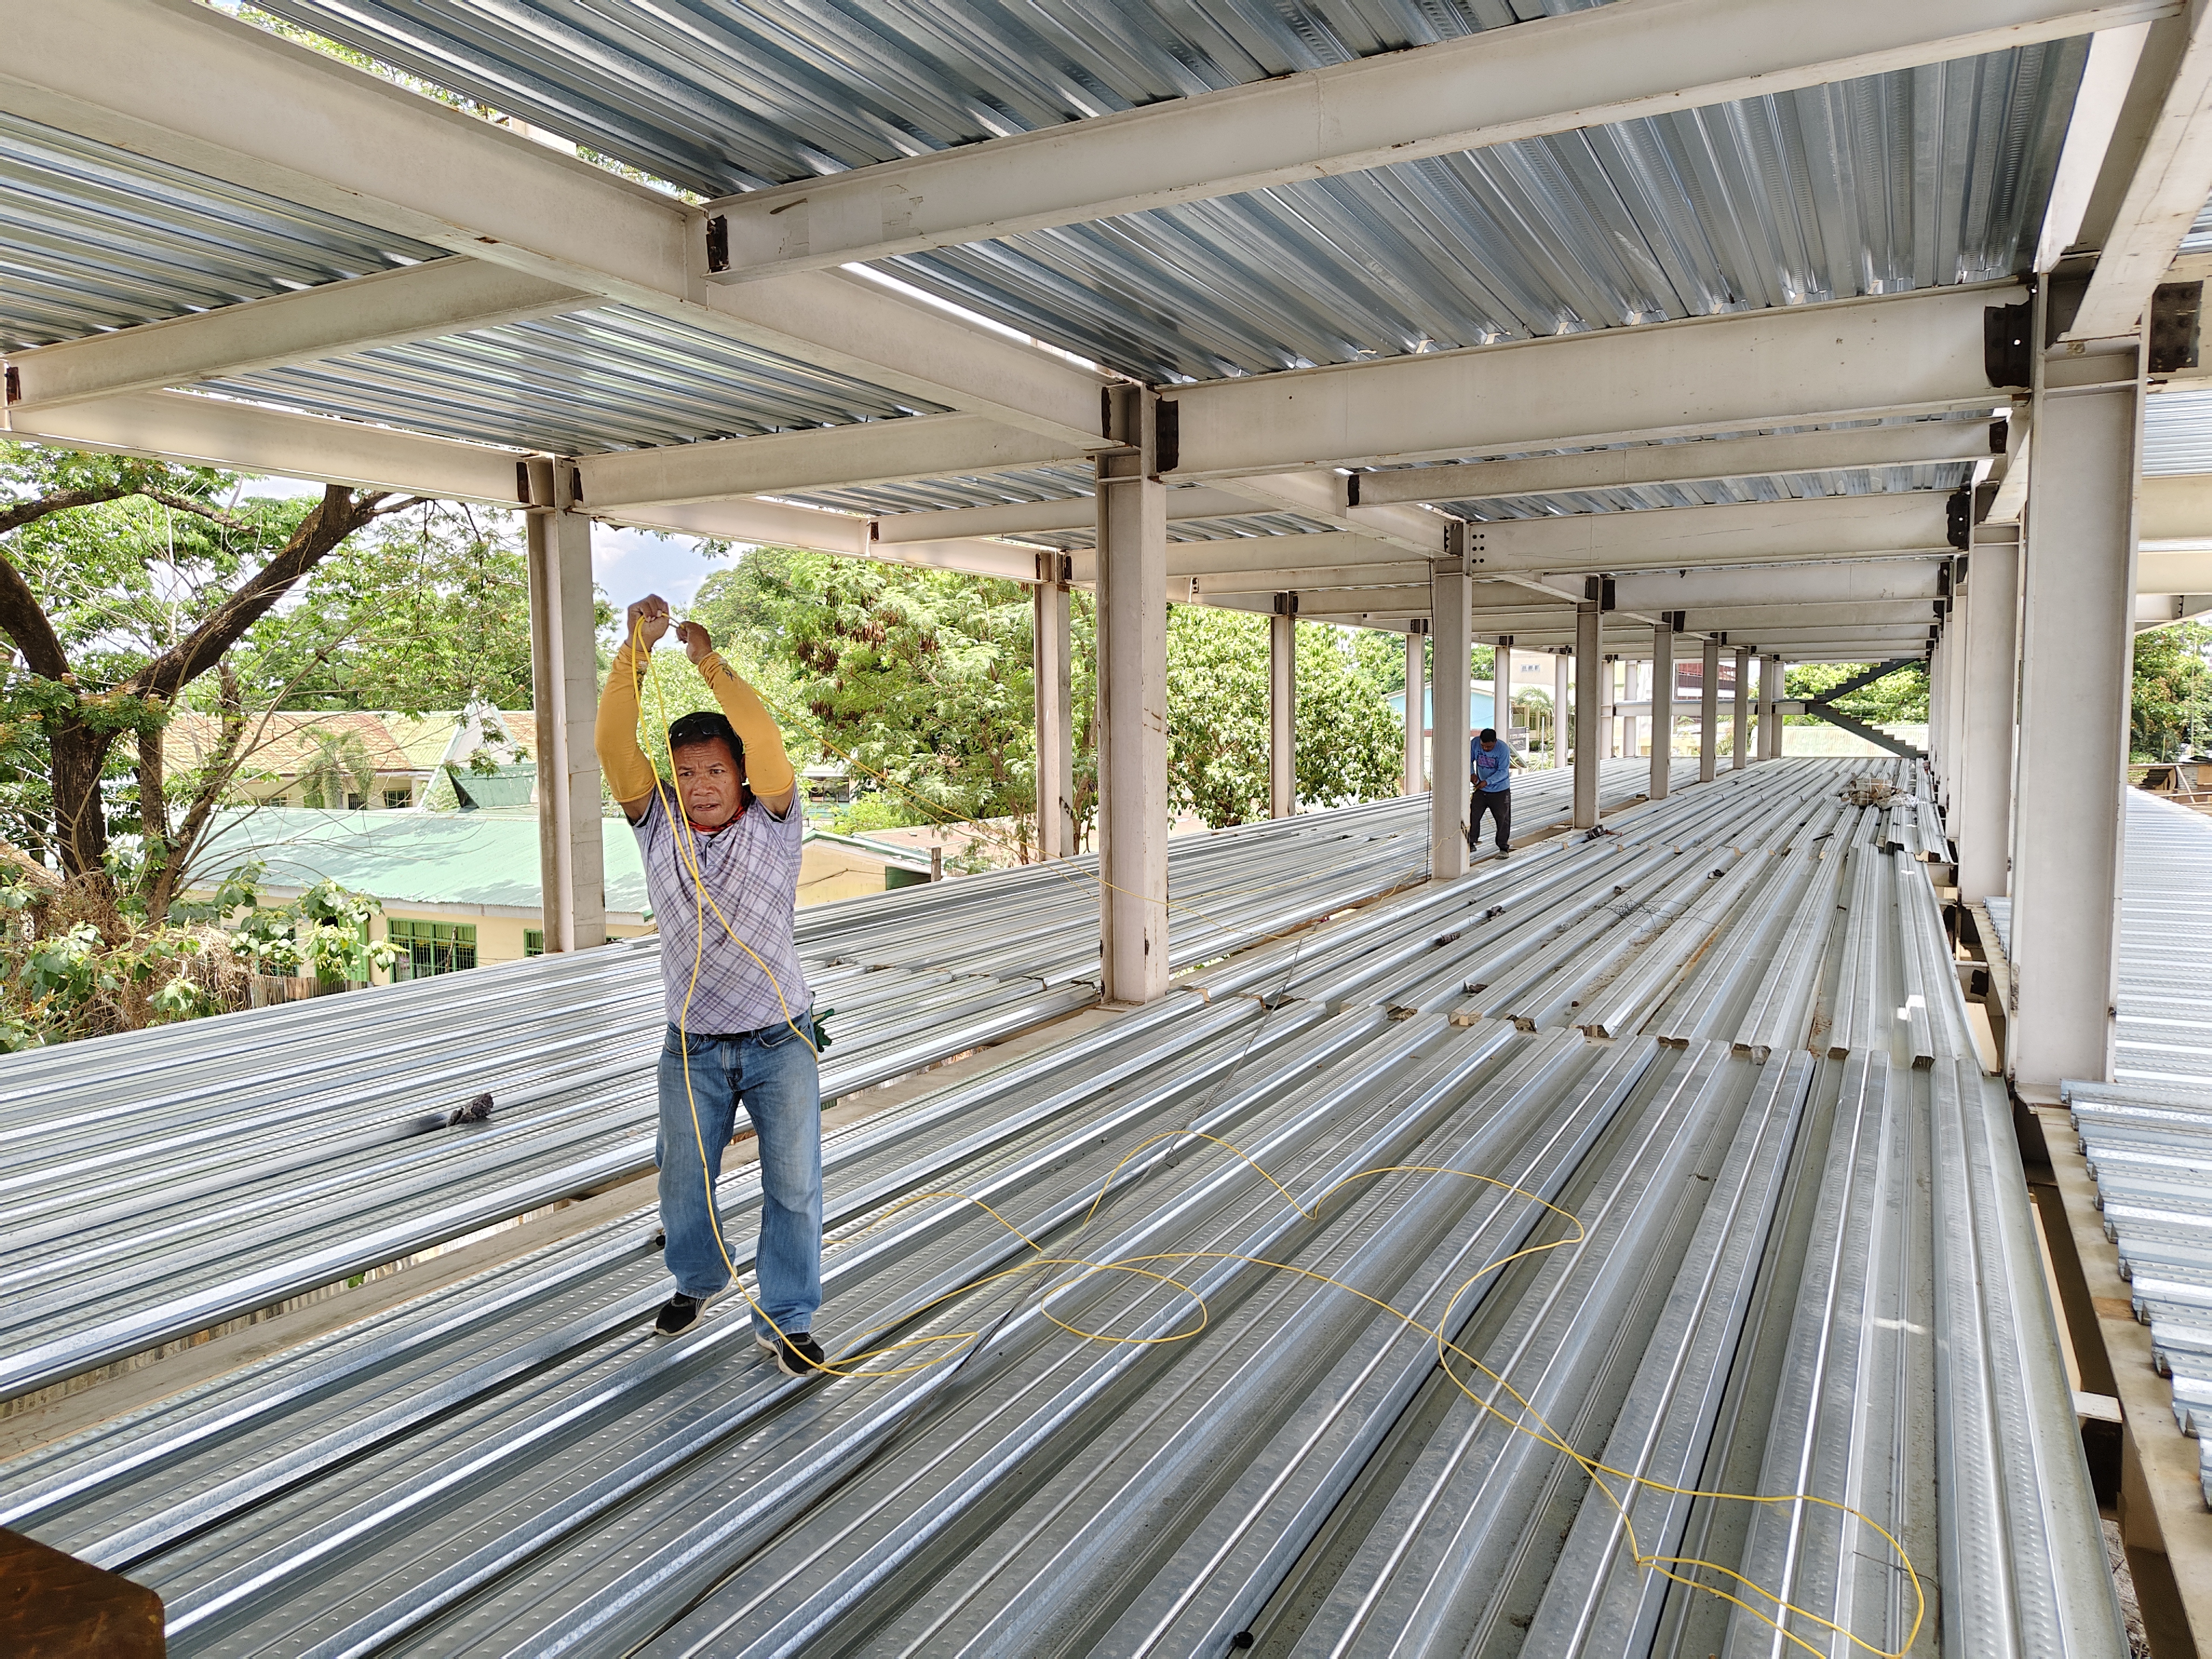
[(460, 888), (435, 759)]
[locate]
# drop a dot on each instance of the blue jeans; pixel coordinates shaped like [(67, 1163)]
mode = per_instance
[(773, 1075)]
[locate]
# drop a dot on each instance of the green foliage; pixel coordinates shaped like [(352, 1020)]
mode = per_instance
[(1896, 699), (426, 610), (2171, 707), (1347, 740), (340, 766), (920, 679), (878, 809)]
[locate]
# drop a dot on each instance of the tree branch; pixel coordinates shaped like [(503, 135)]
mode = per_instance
[(24, 621), (336, 517)]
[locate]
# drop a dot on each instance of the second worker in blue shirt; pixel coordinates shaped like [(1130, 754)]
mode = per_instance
[(1490, 768)]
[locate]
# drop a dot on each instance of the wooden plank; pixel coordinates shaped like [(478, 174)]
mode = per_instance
[(53, 1606)]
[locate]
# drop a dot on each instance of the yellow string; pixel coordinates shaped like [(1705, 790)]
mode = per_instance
[(1139, 1266)]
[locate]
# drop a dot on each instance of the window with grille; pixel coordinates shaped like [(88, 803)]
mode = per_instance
[(397, 800), (533, 941), (435, 947)]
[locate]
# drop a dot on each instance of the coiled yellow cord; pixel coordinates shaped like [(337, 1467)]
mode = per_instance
[(1150, 1266)]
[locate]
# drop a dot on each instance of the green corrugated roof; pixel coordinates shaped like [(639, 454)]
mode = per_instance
[(420, 858)]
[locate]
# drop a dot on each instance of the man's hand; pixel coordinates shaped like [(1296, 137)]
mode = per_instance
[(697, 643), (646, 620)]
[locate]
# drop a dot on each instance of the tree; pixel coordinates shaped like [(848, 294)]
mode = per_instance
[(920, 678), (2170, 706), (341, 766), (1347, 741), (447, 587), (123, 583)]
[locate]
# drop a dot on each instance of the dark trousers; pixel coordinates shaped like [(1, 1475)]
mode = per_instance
[(1498, 803)]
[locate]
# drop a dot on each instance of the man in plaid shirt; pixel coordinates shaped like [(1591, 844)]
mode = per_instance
[(721, 843)]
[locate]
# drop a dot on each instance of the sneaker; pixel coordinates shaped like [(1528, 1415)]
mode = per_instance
[(681, 1314), (797, 1353)]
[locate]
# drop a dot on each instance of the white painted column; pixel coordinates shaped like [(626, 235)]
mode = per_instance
[(1957, 639), (1590, 676), (1132, 713), (1628, 733), (1417, 677), (2076, 634), (1282, 708), (1770, 709), (1982, 826), (1562, 712), (1663, 709), (565, 693), (1708, 715), (1740, 713), (1051, 668), (1451, 596)]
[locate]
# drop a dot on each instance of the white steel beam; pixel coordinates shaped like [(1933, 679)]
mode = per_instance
[(2169, 179), (1586, 68), (781, 525), (201, 431), (1982, 823), (1320, 495), (1846, 360), (1847, 582), (1448, 781), (565, 687), (417, 302), (1310, 580), (1248, 554), (1282, 714), (2175, 509), (1685, 538), (1916, 443), (820, 458), (2106, 79), (1050, 672), (180, 82), (2076, 637), (1036, 517), (2163, 571), (1131, 718), (1590, 676)]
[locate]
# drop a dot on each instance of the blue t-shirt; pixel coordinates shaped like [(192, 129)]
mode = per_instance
[(1494, 770)]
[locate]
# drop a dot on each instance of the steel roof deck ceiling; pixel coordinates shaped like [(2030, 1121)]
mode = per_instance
[(1876, 185), (95, 238)]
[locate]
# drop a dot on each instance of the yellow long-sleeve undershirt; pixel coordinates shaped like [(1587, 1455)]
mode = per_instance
[(629, 774)]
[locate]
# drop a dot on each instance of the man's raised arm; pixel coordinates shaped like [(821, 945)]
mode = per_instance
[(628, 773), (768, 770)]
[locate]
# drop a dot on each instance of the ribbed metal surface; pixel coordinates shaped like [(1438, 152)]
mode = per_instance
[(94, 238), (614, 379), (2177, 433), (2147, 1136), (1776, 487), (1778, 1245), (1878, 186)]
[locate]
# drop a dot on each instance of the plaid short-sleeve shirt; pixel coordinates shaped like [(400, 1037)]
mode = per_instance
[(751, 867)]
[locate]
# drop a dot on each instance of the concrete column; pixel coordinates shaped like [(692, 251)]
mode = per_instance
[(1740, 713), (1708, 715), (1282, 708), (1051, 669), (1417, 677), (1770, 709), (1132, 713), (1562, 715), (2076, 634), (1451, 621), (565, 693), (1628, 733), (1589, 674), (1982, 826), (1663, 709)]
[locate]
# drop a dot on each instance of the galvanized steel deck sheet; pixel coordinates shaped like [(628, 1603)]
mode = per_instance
[(1780, 1223)]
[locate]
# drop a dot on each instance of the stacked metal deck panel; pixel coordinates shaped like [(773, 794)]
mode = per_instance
[(1616, 1120), (2146, 1137)]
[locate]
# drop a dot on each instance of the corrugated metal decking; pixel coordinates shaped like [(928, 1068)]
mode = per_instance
[(1794, 1181)]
